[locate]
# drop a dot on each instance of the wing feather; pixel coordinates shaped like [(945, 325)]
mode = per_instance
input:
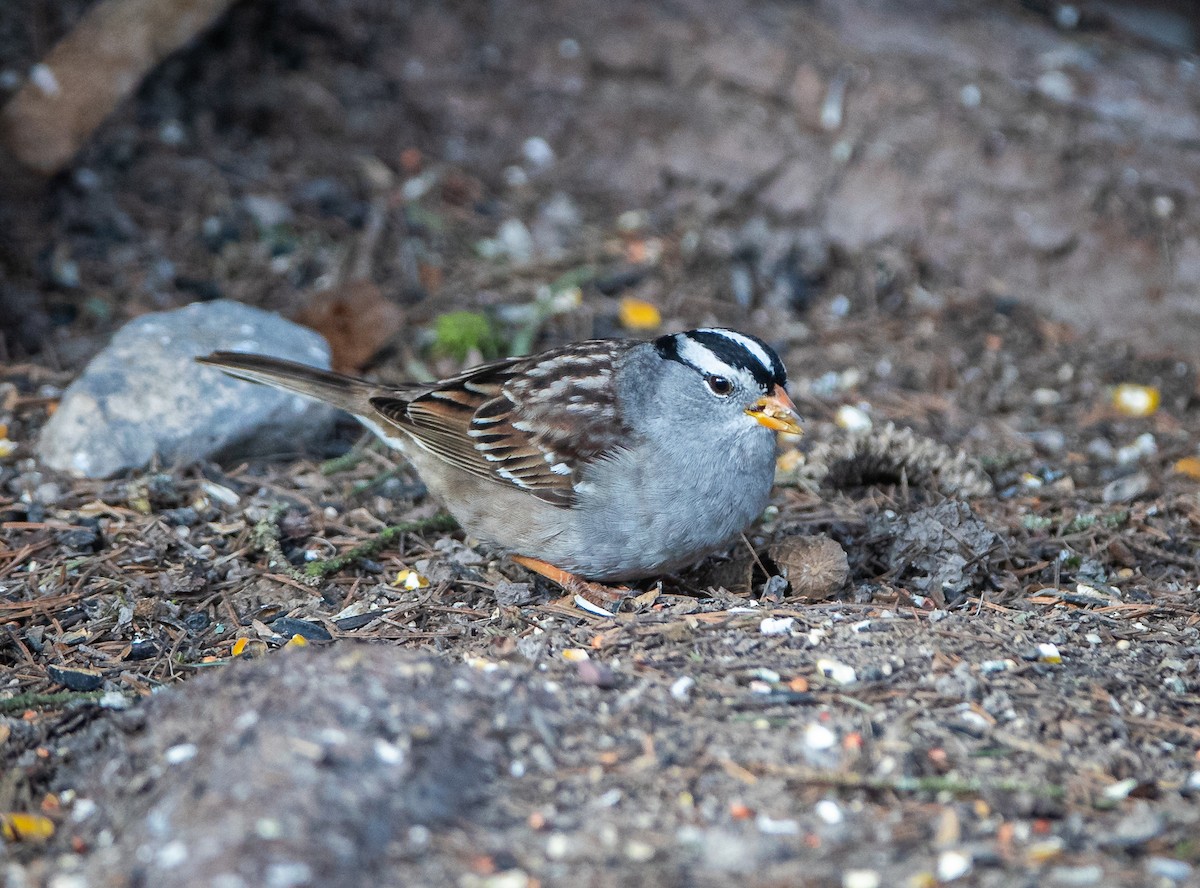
[(535, 423)]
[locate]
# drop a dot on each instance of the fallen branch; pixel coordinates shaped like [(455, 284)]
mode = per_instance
[(91, 70), (21, 702), (266, 537)]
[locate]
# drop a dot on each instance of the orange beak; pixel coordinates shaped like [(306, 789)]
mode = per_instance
[(776, 411)]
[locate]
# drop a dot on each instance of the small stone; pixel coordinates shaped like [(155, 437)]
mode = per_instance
[(639, 851), (558, 845), (819, 737), (1136, 828), (1074, 875), (42, 76), (266, 211), (596, 674), (861, 878), (681, 688), (1122, 490), (829, 812), (840, 673), (172, 133), (780, 626), (852, 419), (1143, 445), (538, 153), (1056, 85), (952, 865), (1046, 397), (993, 666), (770, 826), (515, 241), (1168, 868), (177, 755)]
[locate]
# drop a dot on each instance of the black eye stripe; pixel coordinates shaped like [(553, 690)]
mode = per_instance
[(729, 351)]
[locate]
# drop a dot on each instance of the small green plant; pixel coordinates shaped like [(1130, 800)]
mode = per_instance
[(459, 333)]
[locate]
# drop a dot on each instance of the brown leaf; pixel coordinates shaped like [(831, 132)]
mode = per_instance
[(356, 319)]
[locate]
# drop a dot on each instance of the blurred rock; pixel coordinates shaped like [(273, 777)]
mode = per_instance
[(145, 396), (311, 765), (556, 226)]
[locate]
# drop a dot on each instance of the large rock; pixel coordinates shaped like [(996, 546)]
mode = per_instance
[(306, 768), (144, 395)]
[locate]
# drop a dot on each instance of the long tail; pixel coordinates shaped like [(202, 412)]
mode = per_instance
[(344, 392)]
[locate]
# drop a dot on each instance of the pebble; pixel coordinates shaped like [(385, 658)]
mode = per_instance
[(861, 878), (1056, 85), (1168, 868), (144, 396), (1115, 792), (183, 752), (266, 211), (42, 76), (1143, 445), (952, 865), (852, 419), (515, 241), (1136, 828), (681, 688), (838, 672), (773, 626), (172, 133), (639, 851), (558, 845), (769, 826), (538, 153), (829, 812), (1075, 875), (819, 737), (991, 666), (1122, 490)]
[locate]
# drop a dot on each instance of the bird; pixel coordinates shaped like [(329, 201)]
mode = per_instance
[(600, 461)]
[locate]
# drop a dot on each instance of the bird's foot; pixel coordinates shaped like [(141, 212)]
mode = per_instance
[(596, 593)]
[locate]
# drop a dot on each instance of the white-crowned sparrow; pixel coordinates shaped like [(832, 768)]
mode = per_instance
[(606, 459)]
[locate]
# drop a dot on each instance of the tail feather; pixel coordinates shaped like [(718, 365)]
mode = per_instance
[(345, 392)]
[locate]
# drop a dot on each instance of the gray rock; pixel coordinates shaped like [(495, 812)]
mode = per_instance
[(144, 395), (316, 767)]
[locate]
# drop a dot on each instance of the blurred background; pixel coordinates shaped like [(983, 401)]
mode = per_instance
[(484, 177)]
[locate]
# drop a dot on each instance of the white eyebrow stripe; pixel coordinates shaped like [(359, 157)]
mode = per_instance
[(745, 342), (699, 356)]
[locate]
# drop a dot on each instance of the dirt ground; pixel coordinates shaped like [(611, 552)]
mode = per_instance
[(959, 219)]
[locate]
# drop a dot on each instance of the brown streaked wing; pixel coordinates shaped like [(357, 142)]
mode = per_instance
[(530, 422)]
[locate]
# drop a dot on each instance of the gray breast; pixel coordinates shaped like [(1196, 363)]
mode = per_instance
[(666, 511)]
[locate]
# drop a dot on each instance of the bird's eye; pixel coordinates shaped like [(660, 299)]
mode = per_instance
[(719, 385)]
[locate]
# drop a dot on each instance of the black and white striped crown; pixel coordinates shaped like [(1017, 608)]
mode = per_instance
[(717, 351)]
